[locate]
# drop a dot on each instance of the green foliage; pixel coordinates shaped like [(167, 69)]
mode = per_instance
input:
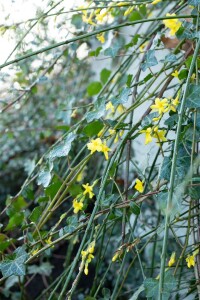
[(14, 264), (99, 180)]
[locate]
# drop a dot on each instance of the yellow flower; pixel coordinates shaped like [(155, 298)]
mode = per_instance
[(110, 106), (105, 150), (157, 119), (143, 46), (190, 260), (160, 135), (88, 190), (176, 102), (172, 259), (172, 24), (100, 17), (155, 2), (129, 11), (121, 108), (48, 241), (112, 131), (148, 136), (160, 105), (80, 175), (139, 185), (101, 37), (35, 251), (115, 257), (98, 145), (175, 74), (77, 205), (74, 113), (95, 145)]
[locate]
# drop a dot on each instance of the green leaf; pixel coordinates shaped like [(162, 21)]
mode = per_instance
[(129, 80), (95, 52), (172, 121), (93, 128), (183, 74), (166, 168), (112, 51), (137, 293), (122, 98), (77, 21), (14, 264), (15, 221), (104, 75), (98, 112), (135, 209), (94, 88), (35, 214), (63, 148), (16, 206), (4, 242), (170, 58), (43, 269), (150, 60), (135, 16), (107, 201), (44, 177), (72, 225), (151, 286), (53, 188), (193, 96), (194, 2)]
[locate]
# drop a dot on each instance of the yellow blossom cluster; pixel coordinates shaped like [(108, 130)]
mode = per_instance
[(117, 134), (99, 146), (78, 202), (87, 257), (154, 132), (165, 105), (172, 24)]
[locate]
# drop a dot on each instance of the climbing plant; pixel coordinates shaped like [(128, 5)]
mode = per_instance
[(100, 129)]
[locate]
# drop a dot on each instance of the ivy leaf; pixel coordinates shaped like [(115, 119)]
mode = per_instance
[(63, 148), (112, 51), (98, 112), (43, 269), (194, 2), (150, 60), (122, 98), (152, 286), (166, 168), (72, 223), (94, 88), (170, 58), (44, 177), (137, 293), (14, 264), (193, 96)]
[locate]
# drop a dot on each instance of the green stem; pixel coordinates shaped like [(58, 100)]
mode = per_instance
[(83, 36), (172, 175)]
